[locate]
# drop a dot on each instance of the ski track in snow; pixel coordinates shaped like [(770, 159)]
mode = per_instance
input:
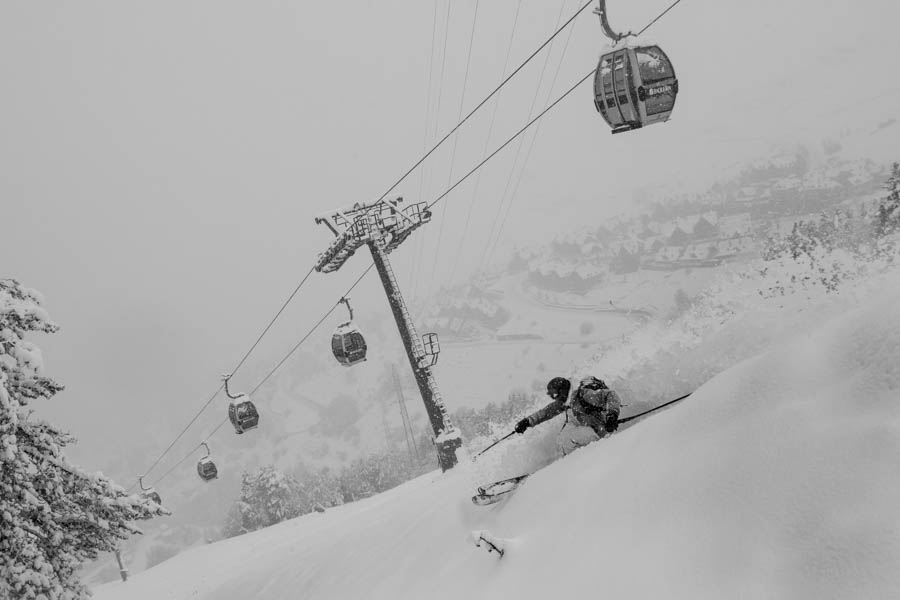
[(776, 479)]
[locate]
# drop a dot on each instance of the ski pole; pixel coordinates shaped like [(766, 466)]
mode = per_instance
[(626, 419), (511, 433)]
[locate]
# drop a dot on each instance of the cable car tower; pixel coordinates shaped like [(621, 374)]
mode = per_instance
[(383, 226)]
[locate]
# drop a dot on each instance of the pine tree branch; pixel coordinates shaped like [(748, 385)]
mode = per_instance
[(36, 534)]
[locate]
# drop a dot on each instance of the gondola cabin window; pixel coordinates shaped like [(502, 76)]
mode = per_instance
[(353, 342), (653, 64), (337, 345), (603, 88)]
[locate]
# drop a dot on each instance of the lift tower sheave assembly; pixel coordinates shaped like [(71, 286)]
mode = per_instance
[(383, 226)]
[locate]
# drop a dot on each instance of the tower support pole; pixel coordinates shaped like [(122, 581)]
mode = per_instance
[(446, 437)]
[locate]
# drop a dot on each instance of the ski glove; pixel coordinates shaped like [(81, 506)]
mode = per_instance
[(612, 421), (522, 425)]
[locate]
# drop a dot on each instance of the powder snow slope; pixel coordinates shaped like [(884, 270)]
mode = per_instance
[(778, 478)]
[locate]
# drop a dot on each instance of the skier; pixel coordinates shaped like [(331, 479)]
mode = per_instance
[(592, 413)]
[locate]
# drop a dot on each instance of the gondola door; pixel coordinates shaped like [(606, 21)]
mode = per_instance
[(624, 92), (604, 97), (657, 85)]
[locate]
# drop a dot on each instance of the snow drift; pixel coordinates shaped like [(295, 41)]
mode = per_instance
[(776, 479)]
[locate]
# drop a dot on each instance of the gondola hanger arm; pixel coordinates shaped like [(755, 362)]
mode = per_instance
[(226, 377), (346, 301), (600, 11)]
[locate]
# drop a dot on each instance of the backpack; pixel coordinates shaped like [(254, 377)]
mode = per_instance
[(592, 383), (592, 396)]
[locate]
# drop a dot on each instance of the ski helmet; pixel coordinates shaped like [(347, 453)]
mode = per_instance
[(558, 387)]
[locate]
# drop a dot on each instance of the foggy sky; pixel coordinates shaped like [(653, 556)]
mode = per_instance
[(162, 162)]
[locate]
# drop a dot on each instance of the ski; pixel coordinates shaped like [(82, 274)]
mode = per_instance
[(494, 492), (491, 542)]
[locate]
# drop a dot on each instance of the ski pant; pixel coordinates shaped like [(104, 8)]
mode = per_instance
[(573, 436)]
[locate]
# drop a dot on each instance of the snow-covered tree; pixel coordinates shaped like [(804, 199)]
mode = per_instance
[(888, 219), (276, 496), (320, 488), (268, 496), (53, 515)]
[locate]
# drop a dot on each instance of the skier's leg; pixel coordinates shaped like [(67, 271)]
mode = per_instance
[(575, 436)]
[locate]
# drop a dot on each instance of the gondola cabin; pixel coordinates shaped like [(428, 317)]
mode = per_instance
[(151, 494), (206, 469), (242, 414), (348, 345), (635, 86)]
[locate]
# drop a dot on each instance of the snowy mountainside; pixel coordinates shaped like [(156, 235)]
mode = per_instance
[(316, 413), (326, 415), (776, 478)]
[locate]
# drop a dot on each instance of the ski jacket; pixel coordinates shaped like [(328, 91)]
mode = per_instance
[(588, 405)]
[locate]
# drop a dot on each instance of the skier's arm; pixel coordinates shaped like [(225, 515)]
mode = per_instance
[(613, 402), (546, 413), (611, 416)]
